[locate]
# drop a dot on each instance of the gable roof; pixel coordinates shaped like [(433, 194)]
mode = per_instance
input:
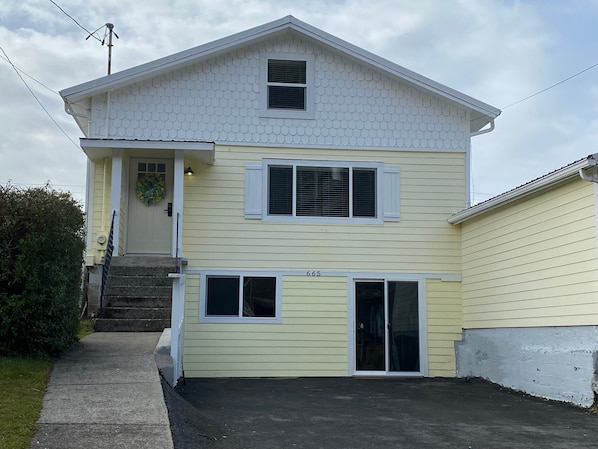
[(481, 113), (572, 170)]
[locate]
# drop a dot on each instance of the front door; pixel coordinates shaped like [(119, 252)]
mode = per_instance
[(387, 332), (149, 222)]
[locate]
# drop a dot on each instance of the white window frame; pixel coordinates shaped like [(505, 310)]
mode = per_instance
[(422, 315), (378, 166), (309, 111), (203, 290)]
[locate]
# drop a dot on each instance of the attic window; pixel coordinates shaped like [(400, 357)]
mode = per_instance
[(287, 84)]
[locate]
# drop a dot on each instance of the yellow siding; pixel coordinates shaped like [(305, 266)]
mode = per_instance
[(216, 234), (533, 263), (101, 206), (443, 302), (310, 341)]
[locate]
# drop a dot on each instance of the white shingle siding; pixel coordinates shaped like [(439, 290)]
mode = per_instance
[(219, 100)]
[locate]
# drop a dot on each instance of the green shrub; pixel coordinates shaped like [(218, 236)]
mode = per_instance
[(41, 258)]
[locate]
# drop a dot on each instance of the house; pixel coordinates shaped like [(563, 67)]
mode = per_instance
[(305, 184), (530, 286)]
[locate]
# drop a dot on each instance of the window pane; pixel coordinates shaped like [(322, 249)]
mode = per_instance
[(222, 296), (284, 71), (403, 315), (281, 97), (323, 191), (259, 297), (364, 193), (280, 190)]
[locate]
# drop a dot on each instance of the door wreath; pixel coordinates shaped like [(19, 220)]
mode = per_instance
[(150, 189)]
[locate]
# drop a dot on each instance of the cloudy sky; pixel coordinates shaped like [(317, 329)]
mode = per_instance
[(498, 51)]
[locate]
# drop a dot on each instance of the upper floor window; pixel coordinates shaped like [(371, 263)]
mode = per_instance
[(287, 84), (321, 191), (288, 87), (314, 191)]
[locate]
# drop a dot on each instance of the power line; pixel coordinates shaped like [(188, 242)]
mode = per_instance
[(30, 77), (544, 90), (550, 87), (90, 33), (37, 99)]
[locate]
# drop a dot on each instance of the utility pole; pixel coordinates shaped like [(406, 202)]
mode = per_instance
[(108, 32), (110, 28)]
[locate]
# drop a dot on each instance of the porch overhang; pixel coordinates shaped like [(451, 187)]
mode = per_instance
[(195, 150)]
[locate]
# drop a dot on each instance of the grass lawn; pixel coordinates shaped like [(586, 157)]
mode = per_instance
[(23, 383), (22, 387)]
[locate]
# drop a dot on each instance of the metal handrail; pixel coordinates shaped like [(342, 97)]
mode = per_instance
[(107, 261)]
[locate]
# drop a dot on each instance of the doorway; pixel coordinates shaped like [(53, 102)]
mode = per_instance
[(387, 326), (149, 220)]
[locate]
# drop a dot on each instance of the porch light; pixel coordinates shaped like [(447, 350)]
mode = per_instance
[(188, 171)]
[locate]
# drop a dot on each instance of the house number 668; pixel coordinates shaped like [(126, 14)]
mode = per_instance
[(314, 273)]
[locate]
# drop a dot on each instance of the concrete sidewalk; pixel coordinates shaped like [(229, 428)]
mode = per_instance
[(105, 393)]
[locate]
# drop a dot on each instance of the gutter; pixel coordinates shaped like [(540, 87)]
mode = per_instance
[(568, 172), (593, 164)]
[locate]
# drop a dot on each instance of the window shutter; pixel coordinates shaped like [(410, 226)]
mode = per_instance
[(391, 197), (253, 190)]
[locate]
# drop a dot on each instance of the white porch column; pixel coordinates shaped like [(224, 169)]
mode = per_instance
[(115, 194), (177, 205)]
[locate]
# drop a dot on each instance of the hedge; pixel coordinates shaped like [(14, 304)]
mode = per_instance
[(41, 258)]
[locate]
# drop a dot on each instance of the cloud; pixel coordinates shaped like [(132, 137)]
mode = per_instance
[(498, 51)]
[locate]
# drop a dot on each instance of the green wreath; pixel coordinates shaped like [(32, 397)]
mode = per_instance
[(150, 189)]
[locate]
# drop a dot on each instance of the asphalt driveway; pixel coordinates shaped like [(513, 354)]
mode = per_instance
[(349, 413)]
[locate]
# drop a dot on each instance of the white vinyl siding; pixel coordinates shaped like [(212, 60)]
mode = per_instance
[(358, 107), (533, 263)]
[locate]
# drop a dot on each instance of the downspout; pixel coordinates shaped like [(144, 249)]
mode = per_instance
[(593, 164), (468, 175), (484, 130), (69, 110), (107, 125)]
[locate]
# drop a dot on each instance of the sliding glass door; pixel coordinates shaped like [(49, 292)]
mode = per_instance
[(387, 333)]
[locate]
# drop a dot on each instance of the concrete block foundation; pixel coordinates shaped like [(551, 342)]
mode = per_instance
[(559, 363)]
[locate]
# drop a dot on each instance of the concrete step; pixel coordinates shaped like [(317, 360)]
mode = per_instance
[(138, 295), (129, 325), (144, 261), (136, 313), (139, 281), (141, 270), (139, 291), (138, 301)]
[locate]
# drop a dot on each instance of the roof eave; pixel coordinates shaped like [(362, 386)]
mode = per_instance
[(99, 148), (525, 190)]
